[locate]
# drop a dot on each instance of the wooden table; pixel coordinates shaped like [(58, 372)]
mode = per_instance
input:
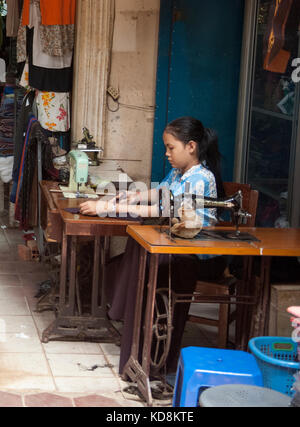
[(153, 241), (68, 228)]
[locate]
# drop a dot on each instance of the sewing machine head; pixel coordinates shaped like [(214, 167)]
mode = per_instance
[(79, 170), (233, 203)]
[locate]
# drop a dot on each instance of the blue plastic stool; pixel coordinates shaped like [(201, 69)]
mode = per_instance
[(201, 368)]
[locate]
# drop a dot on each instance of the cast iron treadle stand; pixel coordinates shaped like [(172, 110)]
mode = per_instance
[(69, 323), (133, 370)]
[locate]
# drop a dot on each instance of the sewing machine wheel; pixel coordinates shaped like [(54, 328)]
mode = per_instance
[(162, 329)]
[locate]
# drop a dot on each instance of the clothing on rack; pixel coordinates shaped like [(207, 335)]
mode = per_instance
[(10, 105), (53, 110), (46, 79), (12, 18), (26, 205), (54, 12), (25, 113), (40, 57)]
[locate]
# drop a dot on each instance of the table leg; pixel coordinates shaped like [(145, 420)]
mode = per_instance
[(133, 369), (260, 318), (148, 324), (266, 266), (243, 311), (73, 324)]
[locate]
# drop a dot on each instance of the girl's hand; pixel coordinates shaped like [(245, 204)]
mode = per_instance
[(89, 208), (99, 207), (127, 197)]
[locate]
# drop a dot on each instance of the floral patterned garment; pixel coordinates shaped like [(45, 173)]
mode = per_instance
[(53, 110)]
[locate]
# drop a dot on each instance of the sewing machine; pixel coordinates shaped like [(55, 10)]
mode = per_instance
[(233, 203), (79, 172)]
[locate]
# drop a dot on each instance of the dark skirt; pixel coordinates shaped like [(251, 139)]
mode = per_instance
[(122, 281)]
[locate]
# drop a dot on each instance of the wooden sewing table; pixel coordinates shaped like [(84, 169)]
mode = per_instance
[(154, 241), (68, 228)]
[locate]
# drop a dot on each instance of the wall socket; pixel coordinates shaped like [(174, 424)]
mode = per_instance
[(113, 92)]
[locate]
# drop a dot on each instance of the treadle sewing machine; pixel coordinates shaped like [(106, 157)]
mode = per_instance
[(191, 229), (191, 222)]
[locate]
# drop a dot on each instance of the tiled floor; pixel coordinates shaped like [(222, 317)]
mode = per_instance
[(57, 373)]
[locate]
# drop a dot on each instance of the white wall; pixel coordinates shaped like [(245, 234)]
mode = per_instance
[(129, 131)]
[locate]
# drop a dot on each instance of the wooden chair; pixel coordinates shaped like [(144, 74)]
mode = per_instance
[(225, 287)]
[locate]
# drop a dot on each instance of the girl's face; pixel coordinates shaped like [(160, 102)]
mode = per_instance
[(180, 156)]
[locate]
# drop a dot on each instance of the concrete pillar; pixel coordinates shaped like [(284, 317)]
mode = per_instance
[(92, 57)]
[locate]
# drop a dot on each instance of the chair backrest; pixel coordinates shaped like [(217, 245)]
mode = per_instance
[(250, 200)]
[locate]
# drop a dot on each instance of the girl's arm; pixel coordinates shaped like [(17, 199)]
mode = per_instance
[(128, 206), (134, 197)]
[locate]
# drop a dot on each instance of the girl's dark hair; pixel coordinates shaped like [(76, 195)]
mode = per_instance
[(187, 129)]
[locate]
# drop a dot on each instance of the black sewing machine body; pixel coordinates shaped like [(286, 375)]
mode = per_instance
[(232, 203)]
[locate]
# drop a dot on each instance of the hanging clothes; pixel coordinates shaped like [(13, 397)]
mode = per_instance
[(26, 195), (54, 40), (24, 116), (54, 111), (54, 12), (39, 57), (12, 18), (47, 79)]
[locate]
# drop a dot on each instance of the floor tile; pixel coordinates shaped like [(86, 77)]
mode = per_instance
[(87, 385), (34, 279), (111, 349), (16, 305), (21, 267), (79, 365), (95, 401), (10, 280), (18, 364), (47, 400), (23, 382), (20, 342), (11, 292), (10, 400), (64, 347), (17, 324)]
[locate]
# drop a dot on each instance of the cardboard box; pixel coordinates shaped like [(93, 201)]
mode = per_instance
[(282, 297)]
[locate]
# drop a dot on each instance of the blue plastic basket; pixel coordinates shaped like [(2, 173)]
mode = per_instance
[(277, 359)]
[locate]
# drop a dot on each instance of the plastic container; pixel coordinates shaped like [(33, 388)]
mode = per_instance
[(278, 361), (200, 368)]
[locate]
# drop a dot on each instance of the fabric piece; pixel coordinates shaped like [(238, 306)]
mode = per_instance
[(24, 81), (54, 12), (54, 110), (21, 44), (12, 18), (23, 118), (57, 40), (9, 103), (2, 70), (54, 40), (39, 57), (46, 79), (22, 159), (26, 203), (6, 166)]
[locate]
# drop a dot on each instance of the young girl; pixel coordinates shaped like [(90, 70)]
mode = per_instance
[(193, 153)]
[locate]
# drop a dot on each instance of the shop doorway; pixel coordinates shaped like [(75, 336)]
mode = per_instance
[(198, 71)]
